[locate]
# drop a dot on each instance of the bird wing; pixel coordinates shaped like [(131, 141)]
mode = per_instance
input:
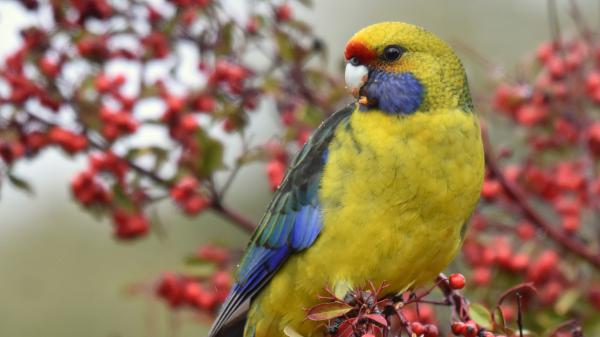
[(291, 223)]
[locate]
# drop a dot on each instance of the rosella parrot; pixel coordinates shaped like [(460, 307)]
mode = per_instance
[(381, 192)]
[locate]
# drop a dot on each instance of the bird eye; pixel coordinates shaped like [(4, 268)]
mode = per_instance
[(354, 61), (392, 53)]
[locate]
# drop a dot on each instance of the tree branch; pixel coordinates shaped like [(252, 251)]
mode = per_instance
[(513, 192), (216, 205)]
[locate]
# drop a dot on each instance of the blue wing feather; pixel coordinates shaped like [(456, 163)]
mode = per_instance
[(291, 223)]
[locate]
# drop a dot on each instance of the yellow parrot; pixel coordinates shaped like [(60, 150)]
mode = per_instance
[(381, 192)]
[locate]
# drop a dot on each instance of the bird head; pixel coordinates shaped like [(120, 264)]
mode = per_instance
[(400, 68)]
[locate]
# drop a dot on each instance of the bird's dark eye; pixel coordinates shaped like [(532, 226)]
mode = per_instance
[(392, 53), (354, 61)]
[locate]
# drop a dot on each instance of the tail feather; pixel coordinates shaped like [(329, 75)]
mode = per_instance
[(233, 328)]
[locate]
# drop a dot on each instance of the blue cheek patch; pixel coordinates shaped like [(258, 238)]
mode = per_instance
[(394, 93)]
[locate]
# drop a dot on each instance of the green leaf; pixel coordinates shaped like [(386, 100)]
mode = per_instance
[(160, 155), (211, 155), (566, 301), (200, 270), (481, 315), (285, 46), (122, 200), (20, 183), (327, 311), (225, 44)]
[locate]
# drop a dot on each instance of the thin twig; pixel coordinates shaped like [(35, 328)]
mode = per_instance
[(554, 23), (519, 314)]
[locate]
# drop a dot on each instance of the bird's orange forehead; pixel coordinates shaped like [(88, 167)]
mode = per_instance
[(361, 51)]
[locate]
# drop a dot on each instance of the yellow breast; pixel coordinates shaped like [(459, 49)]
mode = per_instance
[(395, 194)]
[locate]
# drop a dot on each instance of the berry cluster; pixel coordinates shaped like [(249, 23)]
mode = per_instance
[(96, 115), (366, 312), (185, 193), (202, 293), (542, 189)]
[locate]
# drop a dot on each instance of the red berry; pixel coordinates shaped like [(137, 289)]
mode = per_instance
[(130, 226), (230, 125), (191, 291), (417, 328), (525, 230), (556, 67), (283, 12), (275, 172), (551, 292), (103, 83), (252, 26), (482, 275), (195, 205), (519, 262), (592, 82), (593, 138), (303, 136), (540, 270), (595, 96), (222, 280), (530, 114), (571, 223), (206, 300), (593, 296), (35, 141), (456, 281), (213, 253), (205, 103), (491, 189), (567, 206), (174, 103), (49, 68), (545, 51), (568, 176), (458, 328), (189, 123), (170, 288), (431, 331), (471, 329)]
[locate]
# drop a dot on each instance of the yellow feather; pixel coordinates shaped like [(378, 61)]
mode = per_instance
[(412, 182)]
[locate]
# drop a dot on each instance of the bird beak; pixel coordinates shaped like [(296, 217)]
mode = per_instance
[(356, 75)]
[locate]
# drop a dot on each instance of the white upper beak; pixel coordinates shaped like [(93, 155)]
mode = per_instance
[(356, 76)]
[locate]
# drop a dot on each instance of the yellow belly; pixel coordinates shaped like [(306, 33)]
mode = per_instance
[(395, 194)]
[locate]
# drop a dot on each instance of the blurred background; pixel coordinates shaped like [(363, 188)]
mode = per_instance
[(62, 274)]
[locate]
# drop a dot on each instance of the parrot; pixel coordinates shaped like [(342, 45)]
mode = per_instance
[(382, 191)]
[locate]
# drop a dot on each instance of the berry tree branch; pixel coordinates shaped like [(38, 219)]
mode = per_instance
[(520, 200), (216, 205)]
